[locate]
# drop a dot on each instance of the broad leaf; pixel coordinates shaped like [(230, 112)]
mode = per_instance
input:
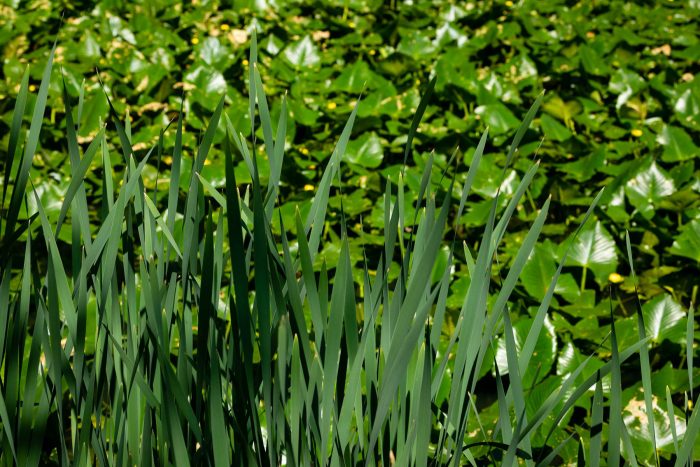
[(595, 250), (678, 145), (687, 244), (498, 118), (664, 319), (538, 273), (365, 151), (303, 53), (649, 187)]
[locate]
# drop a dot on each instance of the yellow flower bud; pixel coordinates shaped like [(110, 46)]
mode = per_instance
[(615, 278), (195, 40), (636, 132), (309, 187), (331, 105)]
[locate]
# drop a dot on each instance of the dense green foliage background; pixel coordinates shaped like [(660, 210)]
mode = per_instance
[(621, 110), (621, 104)]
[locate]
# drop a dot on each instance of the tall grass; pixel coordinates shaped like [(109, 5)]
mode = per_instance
[(219, 342)]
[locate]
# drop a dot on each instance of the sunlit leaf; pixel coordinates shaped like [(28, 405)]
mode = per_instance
[(366, 151), (595, 250), (648, 188), (302, 53), (678, 145), (664, 319)]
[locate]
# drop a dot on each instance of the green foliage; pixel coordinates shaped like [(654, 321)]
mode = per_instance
[(202, 336), (621, 111)]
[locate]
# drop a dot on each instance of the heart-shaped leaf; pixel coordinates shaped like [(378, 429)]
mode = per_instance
[(663, 319), (303, 53), (538, 272), (554, 130), (365, 151), (678, 145), (355, 78), (595, 250), (649, 187), (498, 117)]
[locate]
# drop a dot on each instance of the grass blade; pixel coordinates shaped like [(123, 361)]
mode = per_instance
[(174, 188), (644, 363), (534, 333), (417, 116), (691, 435), (596, 435), (17, 115), (76, 182), (672, 420), (615, 422), (30, 148)]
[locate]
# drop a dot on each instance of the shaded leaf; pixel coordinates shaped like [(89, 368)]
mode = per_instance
[(687, 244)]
